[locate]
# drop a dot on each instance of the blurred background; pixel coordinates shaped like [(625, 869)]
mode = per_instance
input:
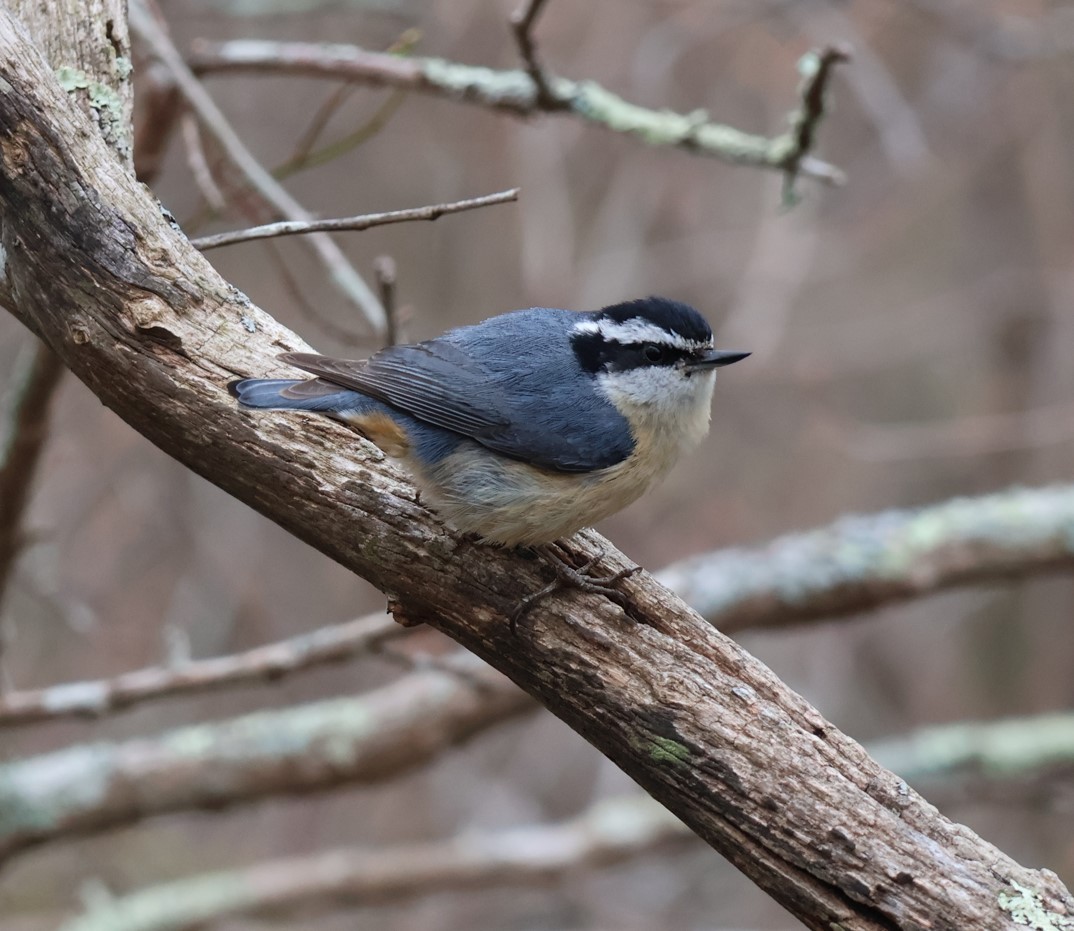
[(912, 336)]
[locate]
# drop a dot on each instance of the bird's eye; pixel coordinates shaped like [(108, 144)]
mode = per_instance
[(652, 352)]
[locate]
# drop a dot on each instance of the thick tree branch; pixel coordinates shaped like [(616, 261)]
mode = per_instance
[(863, 562), (611, 832), (138, 315), (514, 92), (345, 741)]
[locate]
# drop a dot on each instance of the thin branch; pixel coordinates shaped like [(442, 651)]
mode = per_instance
[(864, 562), (198, 164), (98, 697), (22, 437), (523, 21), (384, 272), (333, 150), (817, 69), (342, 272), (363, 222), (611, 832), (317, 125), (512, 92)]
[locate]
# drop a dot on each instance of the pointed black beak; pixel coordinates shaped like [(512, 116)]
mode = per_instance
[(714, 359)]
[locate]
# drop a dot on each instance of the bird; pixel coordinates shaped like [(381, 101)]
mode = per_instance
[(528, 426)]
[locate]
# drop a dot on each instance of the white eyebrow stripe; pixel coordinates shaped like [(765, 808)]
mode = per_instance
[(637, 330)]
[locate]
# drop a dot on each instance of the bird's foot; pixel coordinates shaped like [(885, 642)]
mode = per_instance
[(580, 577)]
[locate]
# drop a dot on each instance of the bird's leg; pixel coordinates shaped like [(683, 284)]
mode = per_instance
[(570, 576)]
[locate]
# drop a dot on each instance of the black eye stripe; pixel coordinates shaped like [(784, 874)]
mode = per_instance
[(597, 354)]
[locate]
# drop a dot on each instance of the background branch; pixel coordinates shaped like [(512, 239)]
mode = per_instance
[(611, 832), (614, 830), (523, 21), (863, 562), (342, 272), (94, 698), (857, 564), (817, 69), (998, 749), (513, 92), (364, 222), (344, 741)]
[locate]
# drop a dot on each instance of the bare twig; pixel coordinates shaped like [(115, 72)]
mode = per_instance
[(610, 832), (303, 748), (374, 125), (316, 126), (295, 227), (816, 68), (91, 699), (511, 92), (863, 562), (22, 436), (523, 21), (304, 155), (342, 272), (384, 272)]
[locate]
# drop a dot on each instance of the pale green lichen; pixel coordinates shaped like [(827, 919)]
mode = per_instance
[(106, 103), (1026, 908), (502, 88), (666, 750)]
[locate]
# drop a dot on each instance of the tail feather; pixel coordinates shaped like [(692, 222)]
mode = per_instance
[(271, 394)]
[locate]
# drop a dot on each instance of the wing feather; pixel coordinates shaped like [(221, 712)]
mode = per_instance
[(514, 400), (433, 381)]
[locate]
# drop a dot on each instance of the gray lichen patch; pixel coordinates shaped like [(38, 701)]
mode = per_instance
[(106, 103), (1026, 908)]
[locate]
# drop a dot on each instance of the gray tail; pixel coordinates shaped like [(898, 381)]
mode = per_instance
[(280, 394)]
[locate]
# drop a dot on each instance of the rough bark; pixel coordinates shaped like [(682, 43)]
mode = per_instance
[(96, 268)]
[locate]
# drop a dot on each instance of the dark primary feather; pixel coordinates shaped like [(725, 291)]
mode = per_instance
[(514, 400)]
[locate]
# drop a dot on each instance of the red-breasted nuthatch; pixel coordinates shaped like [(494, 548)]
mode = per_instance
[(531, 425)]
